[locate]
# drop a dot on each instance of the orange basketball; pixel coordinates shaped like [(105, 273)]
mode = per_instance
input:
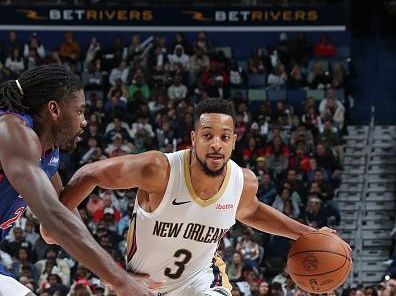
[(319, 262)]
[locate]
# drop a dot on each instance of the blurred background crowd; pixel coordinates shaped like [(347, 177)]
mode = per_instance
[(292, 99)]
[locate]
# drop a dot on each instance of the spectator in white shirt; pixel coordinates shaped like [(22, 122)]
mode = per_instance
[(332, 108), (15, 62), (118, 147), (5, 259), (93, 49), (177, 91), (122, 71), (141, 123), (179, 57), (277, 77), (34, 44)]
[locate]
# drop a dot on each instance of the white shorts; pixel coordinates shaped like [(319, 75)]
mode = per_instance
[(11, 287), (199, 286)]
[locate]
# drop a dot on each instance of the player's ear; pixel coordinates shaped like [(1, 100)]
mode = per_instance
[(193, 137), (235, 139), (54, 109)]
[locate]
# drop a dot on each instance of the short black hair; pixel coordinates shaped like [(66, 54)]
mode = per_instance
[(39, 86), (214, 106)]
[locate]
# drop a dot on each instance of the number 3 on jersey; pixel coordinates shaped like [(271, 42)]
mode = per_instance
[(184, 257)]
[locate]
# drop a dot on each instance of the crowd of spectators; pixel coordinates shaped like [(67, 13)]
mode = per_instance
[(140, 96)]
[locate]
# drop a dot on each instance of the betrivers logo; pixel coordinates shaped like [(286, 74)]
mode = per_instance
[(32, 14), (197, 15), (253, 16), (90, 14), (218, 15)]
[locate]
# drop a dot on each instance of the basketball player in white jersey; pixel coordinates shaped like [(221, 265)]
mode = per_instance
[(186, 203)]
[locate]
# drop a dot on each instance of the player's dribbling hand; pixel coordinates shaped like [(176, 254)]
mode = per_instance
[(332, 231), (133, 291), (137, 285), (147, 281), (46, 237), (327, 230), (130, 288)]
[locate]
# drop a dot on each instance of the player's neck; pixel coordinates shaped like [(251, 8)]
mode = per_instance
[(45, 135), (204, 186)]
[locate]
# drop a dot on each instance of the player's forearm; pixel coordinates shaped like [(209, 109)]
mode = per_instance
[(67, 229), (268, 219), (79, 187), (74, 237)]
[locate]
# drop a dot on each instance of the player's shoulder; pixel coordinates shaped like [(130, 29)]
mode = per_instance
[(18, 140), (11, 119), (152, 163), (156, 158), (154, 170), (15, 126), (250, 180)]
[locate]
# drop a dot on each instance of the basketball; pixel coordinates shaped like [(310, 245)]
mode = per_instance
[(319, 262)]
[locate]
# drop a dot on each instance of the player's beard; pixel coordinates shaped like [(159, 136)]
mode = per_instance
[(67, 139), (207, 171)]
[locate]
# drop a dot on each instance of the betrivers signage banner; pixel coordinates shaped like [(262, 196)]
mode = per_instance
[(174, 17)]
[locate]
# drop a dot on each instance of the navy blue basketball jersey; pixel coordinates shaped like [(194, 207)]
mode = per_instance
[(12, 205)]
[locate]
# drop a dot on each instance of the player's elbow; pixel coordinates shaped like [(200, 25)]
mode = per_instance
[(248, 214), (58, 223), (87, 173), (49, 221)]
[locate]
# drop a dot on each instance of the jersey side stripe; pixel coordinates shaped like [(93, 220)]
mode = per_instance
[(219, 273), (131, 238)]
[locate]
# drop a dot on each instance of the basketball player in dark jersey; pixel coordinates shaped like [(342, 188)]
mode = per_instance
[(40, 112)]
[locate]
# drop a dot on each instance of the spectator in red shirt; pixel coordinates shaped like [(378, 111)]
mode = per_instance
[(252, 152), (210, 75), (300, 161), (240, 126), (277, 147), (324, 48)]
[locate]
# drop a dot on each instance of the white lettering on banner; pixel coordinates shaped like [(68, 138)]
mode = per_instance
[(245, 14), (232, 16), (79, 13), (54, 14), (220, 16), (67, 15)]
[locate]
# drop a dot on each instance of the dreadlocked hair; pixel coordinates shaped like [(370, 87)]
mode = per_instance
[(39, 86)]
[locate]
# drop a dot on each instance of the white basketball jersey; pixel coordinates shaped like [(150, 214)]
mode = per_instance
[(178, 240)]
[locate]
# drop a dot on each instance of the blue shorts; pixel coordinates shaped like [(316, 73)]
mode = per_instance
[(4, 271)]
